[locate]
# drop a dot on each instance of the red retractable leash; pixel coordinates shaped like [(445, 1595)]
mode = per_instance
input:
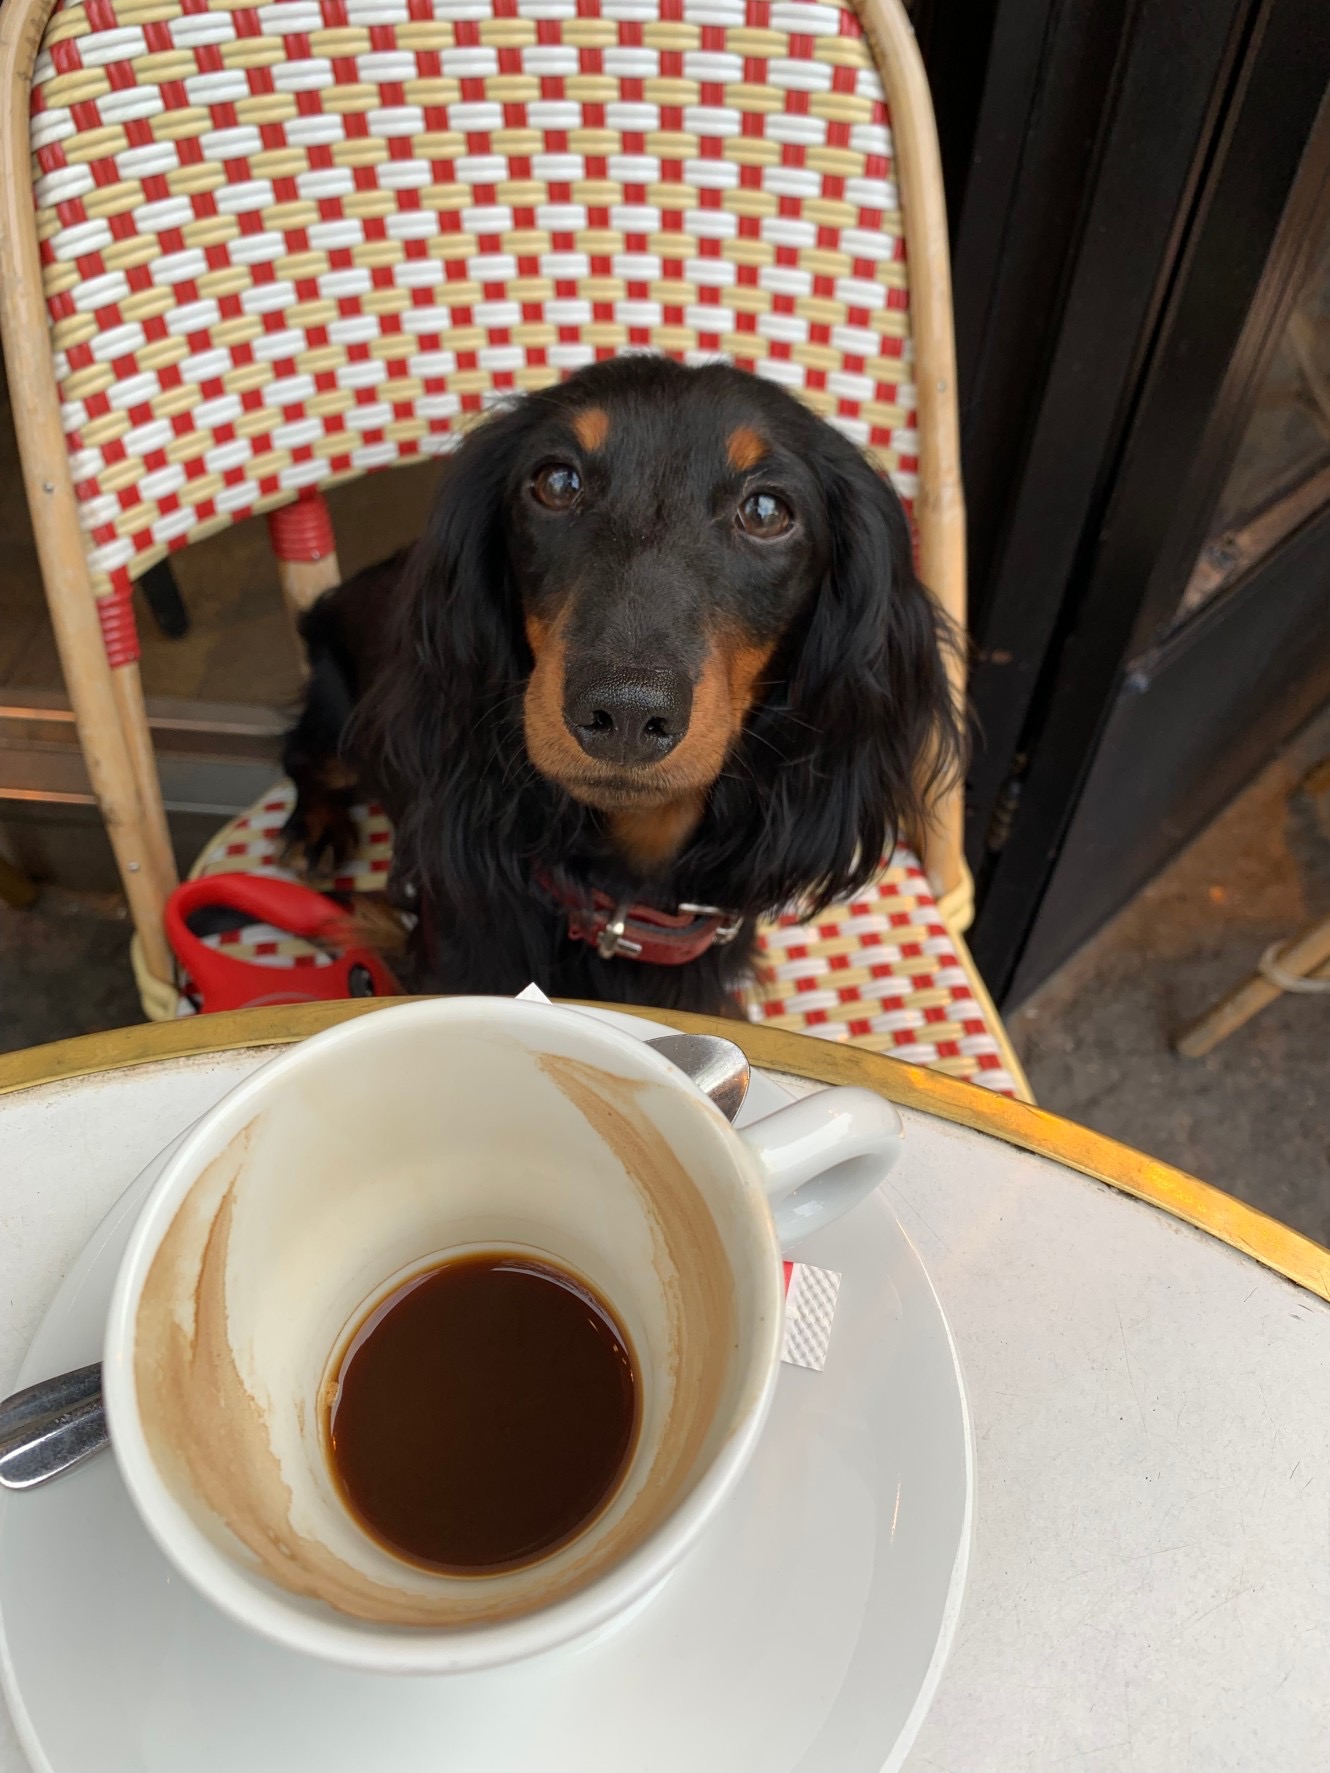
[(222, 981)]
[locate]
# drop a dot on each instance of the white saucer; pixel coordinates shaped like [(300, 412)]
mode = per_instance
[(805, 1634)]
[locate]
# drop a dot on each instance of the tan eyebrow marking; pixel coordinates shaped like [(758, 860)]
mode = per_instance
[(591, 426), (745, 448)]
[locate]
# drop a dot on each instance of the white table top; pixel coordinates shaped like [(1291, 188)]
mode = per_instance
[(1149, 1587)]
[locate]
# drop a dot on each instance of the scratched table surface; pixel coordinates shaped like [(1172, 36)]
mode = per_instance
[(1149, 1585)]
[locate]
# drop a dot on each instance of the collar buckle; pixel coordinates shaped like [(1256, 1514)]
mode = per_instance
[(612, 940), (724, 932)]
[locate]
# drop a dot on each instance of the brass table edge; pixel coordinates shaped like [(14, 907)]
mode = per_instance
[(1147, 1179)]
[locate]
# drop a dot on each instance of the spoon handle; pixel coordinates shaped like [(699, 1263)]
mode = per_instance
[(51, 1427)]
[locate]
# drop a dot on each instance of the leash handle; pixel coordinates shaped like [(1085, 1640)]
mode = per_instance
[(223, 981)]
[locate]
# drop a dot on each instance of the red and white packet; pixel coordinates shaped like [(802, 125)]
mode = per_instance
[(810, 1293), (810, 1306)]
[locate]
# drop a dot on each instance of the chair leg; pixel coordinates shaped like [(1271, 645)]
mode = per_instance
[(1306, 958), (113, 731), (111, 770), (302, 538), (942, 852), (90, 631), (16, 889), (160, 856), (303, 582), (164, 600)]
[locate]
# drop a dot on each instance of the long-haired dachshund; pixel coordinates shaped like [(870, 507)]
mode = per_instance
[(659, 666)]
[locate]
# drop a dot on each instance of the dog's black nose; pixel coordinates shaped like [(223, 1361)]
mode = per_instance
[(631, 717)]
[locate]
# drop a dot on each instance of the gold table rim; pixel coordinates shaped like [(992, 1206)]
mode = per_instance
[(1158, 1184)]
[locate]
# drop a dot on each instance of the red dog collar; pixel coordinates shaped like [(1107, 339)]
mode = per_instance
[(641, 932)]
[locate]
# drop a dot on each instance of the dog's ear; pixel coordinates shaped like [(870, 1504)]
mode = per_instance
[(458, 618), (444, 717), (865, 729)]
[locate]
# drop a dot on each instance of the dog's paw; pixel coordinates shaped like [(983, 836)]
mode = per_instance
[(320, 836)]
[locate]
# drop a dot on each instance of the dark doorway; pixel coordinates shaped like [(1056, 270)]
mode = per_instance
[(1142, 263)]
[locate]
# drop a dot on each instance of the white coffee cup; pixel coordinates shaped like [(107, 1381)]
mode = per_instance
[(372, 1152)]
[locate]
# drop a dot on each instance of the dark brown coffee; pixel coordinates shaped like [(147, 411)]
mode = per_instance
[(483, 1414)]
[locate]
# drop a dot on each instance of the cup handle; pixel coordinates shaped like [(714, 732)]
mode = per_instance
[(821, 1156)]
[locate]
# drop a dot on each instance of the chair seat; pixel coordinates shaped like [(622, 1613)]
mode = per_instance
[(883, 971)]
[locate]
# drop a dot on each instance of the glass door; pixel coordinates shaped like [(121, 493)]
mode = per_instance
[(1157, 620)]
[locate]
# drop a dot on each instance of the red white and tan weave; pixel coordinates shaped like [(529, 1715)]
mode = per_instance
[(252, 844), (883, 972), (287, 244)]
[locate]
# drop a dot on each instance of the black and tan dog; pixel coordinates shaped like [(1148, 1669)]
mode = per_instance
[(658, 666)]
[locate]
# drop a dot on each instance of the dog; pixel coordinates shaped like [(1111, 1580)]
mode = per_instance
[(659, 666)]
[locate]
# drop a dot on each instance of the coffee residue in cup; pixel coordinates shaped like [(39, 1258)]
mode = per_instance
[(483, 1414)]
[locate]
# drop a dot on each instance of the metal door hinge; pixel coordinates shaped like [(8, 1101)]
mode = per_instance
[(1007, 806)]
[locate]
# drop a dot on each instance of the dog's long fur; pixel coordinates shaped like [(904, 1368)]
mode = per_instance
[(421, 672)]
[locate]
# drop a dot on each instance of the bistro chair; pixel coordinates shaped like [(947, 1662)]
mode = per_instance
[(249, 252)]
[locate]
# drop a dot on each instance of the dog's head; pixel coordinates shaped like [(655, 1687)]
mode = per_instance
[(678, 577), (666, 530)]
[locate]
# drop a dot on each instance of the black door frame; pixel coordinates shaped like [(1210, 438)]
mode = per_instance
[(1151, 355)]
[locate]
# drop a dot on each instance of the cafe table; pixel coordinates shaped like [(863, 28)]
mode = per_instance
[(1146, 1363)]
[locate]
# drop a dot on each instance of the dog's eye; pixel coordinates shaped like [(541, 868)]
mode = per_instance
[(765, 516), (557, 486)]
